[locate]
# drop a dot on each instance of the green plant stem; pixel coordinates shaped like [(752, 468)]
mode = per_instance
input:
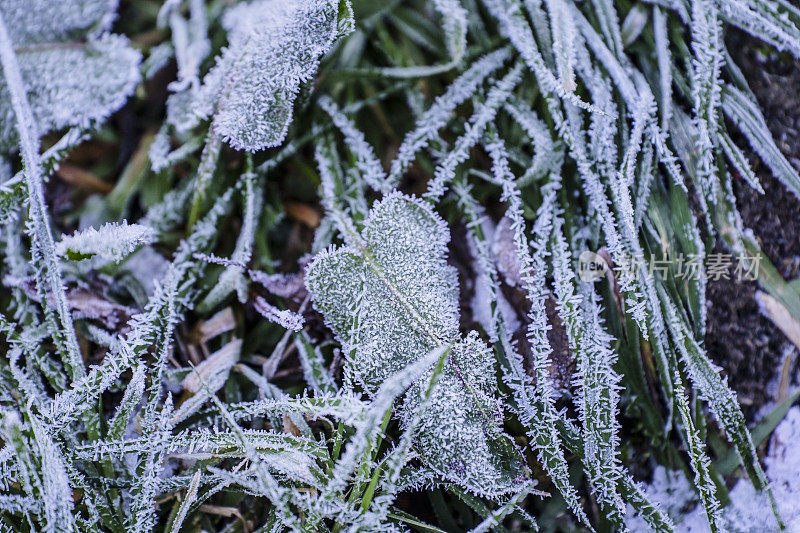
[(205, 173)]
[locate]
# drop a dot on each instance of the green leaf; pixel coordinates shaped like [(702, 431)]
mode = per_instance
[(391, 298)]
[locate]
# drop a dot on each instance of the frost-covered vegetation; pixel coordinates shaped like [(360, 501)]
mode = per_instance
[(350, 299)]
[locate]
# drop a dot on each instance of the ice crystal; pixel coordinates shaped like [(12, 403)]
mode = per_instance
[(68, 82), (111, 241), (391, 297), (134, 395), (274, 46)]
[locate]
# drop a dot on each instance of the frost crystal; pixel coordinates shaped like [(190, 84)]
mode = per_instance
[(111, 241), (274, 46), (44, 21), (68, 83), (391, 298), (287, 319)]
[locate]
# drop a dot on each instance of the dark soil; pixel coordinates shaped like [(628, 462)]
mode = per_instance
[(739, 338), (743, 342)]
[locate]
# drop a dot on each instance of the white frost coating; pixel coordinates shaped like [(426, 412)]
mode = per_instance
[(45, 21), (749, 510), (190, 39), (564, 37), (68, 82), (111, 241), (366, 160), (706, 88), (287, 319), (56, 490), (664, 65), (391, 298), (440, 112), (274, 47), (599, 383)]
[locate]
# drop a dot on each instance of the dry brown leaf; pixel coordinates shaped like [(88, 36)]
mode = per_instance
[(218, 364), (304, 213), (218, 324), (82, 179)]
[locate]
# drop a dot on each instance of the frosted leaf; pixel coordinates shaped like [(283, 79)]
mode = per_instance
[(232, 278), (395, 460), (369, 427), (391, 298), (769, 21), (180, 111), (664, 65), (159, 151), (158, 58), (547, 155), (564, 36), (706, 89), (72, 84), (454, 22), (274, 47), (190, 38), (47, 271), (283, 317), (459, 433), (111, 241), (720, 398), (129, 403), (191, 496), (44, 21), (699, 460), (534, 405), (748, 118), (407, 242), (598, 397), (313, 363), (56, 490), (495, 518)]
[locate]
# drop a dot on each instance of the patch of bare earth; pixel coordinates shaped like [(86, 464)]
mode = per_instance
[(739, 338)]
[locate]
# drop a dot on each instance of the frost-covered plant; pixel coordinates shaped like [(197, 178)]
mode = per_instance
[(273, 47), (352, 388), (391, 298), (75, 73), (111, 241)]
